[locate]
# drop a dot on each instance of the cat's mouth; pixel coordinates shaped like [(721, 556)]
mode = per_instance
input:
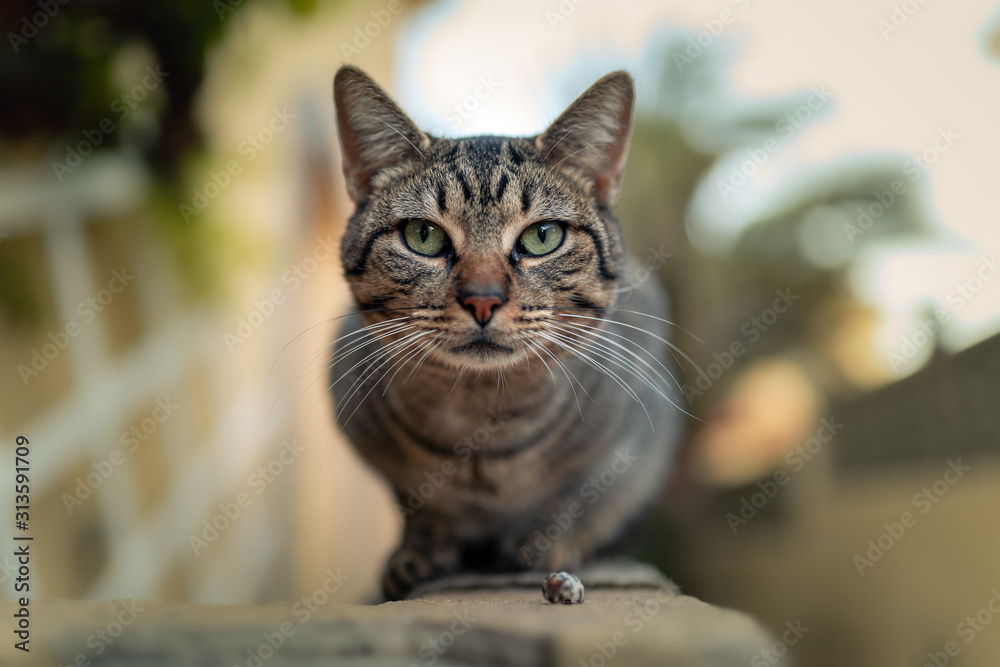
[(482, 346), (483, 352)]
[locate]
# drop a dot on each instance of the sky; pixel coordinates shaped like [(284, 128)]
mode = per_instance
[(906, 80)]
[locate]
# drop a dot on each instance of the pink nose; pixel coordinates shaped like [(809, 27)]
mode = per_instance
[(482, 307)]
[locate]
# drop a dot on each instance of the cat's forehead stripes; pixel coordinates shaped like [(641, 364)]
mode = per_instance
[(502, 186), (442, 201), (526, 193), (484, 191)]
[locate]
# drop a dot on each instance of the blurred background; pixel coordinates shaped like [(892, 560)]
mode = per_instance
[(814, 182)]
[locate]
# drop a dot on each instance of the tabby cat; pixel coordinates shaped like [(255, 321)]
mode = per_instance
[(505, 369)]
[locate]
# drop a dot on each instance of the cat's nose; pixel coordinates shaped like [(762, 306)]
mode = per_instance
[(481, 305)]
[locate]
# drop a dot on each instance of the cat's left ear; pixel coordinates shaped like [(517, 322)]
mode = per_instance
[(591, 136), (374, 131)]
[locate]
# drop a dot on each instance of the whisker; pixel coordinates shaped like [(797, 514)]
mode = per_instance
[(398, 362), (648, 333), (421, 361), (531, 347), (374, 335), (333, 361), (626, 288), (633, 369), (623, 364), (397, 325), (328, 321), (600, 333), (402, 135), (372, 354), (603, 333), (634, 312), (427, 345), (579, 150), (496, 392), (341, 354), (387, 354), (461, 372), (583, 335), (556, 144), (377, 354), (607, 371), (563, 365), (569, 377)]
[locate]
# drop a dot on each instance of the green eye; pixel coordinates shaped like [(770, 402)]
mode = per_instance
[(424, 237), (542, 238)]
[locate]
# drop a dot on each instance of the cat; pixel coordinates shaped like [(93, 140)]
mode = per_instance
[(504, 370)]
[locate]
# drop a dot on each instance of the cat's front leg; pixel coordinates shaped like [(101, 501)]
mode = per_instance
[(423, 556)]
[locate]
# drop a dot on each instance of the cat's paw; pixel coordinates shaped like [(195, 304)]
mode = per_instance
[(415, 562)]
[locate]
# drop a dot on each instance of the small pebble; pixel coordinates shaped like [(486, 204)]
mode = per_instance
[(562, 587)]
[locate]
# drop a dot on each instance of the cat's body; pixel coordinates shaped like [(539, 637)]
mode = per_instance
[(518, 429)]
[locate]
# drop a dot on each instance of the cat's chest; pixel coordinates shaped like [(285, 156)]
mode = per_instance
[(471, 409), (467, 422), (482, 443)]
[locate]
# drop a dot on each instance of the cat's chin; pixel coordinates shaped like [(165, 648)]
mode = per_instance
[(482, 355)]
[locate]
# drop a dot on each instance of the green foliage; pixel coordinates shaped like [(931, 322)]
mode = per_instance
[(65, 72), (18, 298)]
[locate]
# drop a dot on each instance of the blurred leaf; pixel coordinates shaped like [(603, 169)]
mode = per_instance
[(18, 295)]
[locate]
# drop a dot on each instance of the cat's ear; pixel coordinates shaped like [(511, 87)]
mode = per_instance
[(591, 136), (374, 132)]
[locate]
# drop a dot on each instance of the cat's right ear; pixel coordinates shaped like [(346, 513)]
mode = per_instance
[(374, 132), (591, 136)]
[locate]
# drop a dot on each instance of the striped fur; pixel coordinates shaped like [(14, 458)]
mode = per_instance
[(493, 435)]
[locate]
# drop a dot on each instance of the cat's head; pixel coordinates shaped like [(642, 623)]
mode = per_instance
[(481, 242)]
